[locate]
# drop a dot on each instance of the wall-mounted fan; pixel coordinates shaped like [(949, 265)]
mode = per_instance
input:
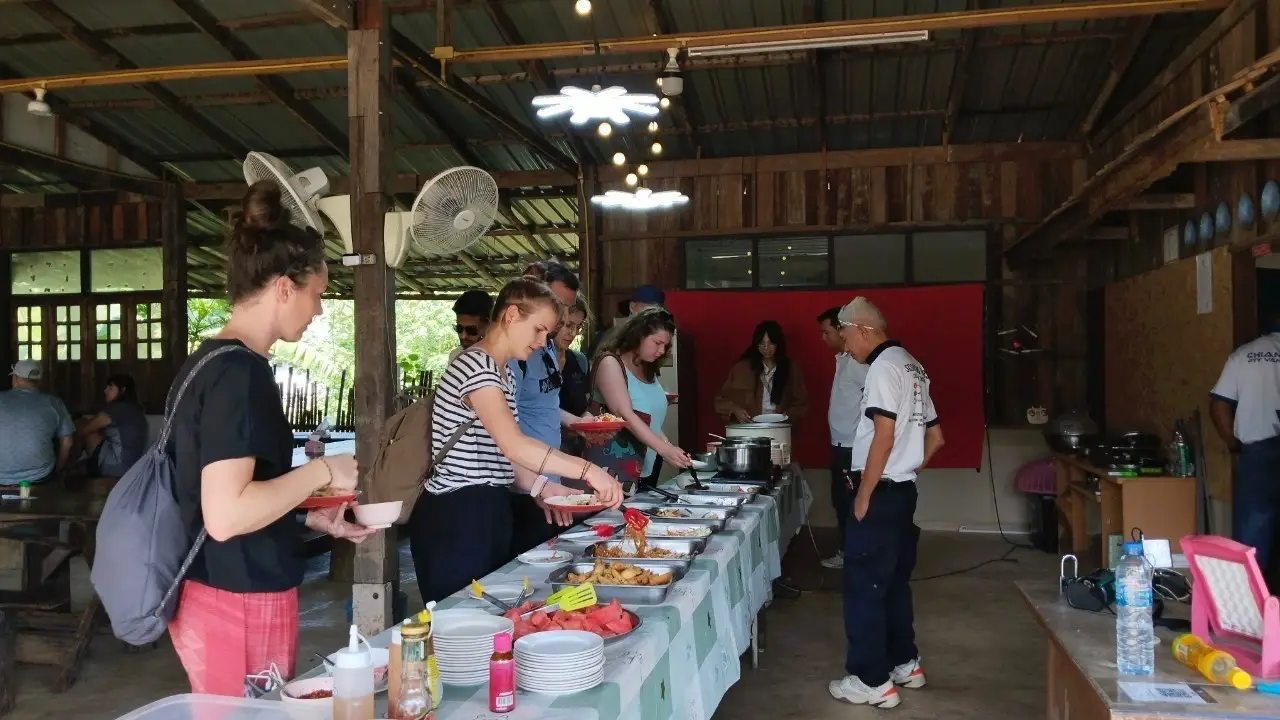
[(299, 192), (452, 212)]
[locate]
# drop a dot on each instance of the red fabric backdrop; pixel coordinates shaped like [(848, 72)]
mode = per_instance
[(941, 326)]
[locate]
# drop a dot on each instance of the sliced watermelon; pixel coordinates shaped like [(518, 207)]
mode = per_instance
[(618, 627)]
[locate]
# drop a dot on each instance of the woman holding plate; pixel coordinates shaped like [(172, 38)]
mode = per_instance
[(624, 382), (461, 526), (764, 381)]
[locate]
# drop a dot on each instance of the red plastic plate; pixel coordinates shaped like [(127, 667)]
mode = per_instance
[(325, 501), (599, 426)]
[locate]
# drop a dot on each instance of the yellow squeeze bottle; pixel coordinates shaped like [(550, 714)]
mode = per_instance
[(1217, 666), (433, 670)]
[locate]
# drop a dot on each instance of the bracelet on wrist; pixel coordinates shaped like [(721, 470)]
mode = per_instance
[(328, 469)]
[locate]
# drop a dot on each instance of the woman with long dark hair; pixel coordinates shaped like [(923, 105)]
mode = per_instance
[(237, 611), (624, 381), (763, 381), (117, 436)]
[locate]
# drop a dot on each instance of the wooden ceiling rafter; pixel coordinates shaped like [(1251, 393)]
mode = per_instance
[(277, 89), (1154, 154), (1122, 55), (80, 36), (959, 78)]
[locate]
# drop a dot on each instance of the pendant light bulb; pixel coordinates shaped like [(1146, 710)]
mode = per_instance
[(656, 148), (619, 159), (632, 179), (664, 103), (582, 7), (605, 129), (653, 126), (643, 170)]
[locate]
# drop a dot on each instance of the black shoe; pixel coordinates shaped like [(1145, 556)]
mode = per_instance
[(783, 589)]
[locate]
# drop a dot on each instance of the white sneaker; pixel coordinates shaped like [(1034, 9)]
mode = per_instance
[(835, 562), (908, 674), (852, 690)]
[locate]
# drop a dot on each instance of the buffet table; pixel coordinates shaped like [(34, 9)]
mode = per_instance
[(1082, 684)]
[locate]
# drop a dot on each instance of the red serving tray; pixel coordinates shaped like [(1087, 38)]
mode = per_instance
[(326, 501)]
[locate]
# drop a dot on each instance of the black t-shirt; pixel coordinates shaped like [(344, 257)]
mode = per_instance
[(130, 423), (232, 410)]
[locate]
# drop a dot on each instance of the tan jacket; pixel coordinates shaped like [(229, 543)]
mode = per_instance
[(742, 389)]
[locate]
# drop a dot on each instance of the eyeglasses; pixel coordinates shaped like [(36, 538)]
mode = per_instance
[(467, 330), (553, 380)]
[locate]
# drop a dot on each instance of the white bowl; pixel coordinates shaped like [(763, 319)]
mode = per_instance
[(378, 515), (318, 709)]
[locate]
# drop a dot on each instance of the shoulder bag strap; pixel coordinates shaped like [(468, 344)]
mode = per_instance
[(171, 407)]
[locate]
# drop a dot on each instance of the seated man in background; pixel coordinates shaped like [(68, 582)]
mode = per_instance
[(31, 422), (471, 316)]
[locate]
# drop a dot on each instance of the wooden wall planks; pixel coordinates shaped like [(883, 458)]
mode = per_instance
[(97, 222)]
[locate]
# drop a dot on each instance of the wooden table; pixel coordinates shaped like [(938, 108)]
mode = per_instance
[(1081, 681), (347, 447), (36, 626), (1163, 507)]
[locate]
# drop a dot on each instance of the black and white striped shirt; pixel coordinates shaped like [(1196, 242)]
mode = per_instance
[(476, 459)]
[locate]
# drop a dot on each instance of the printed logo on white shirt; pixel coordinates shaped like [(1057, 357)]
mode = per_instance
[(1250, 381), (897, 387)]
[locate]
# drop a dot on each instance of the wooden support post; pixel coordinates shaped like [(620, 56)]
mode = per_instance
[(368, 111), (173, 300), (587, 249), (6, 312), (8, 660)]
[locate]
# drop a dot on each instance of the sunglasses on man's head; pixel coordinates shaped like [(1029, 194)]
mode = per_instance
[(553, 380), (466, 329)]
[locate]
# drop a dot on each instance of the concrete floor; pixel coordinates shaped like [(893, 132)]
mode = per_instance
[(983, 654)]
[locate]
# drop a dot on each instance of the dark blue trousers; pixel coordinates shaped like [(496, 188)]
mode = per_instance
[(458, 537), (841, 494), (1255, 502), (879, 556)]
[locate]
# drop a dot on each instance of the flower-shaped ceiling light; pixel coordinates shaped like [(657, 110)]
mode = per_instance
[(641, 199), (583, 106)]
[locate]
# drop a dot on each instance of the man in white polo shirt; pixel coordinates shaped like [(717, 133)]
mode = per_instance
[(897, 434), (1245, 409), (842, 421)]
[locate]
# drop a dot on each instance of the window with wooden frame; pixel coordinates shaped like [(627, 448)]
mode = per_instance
[(148, 331), (66, 333), (30, 332), (108, 331)]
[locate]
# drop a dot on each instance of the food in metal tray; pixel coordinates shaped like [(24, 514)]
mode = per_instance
[(685, 514), (604, 620), (619, 574), (649, 552), (695, 531)]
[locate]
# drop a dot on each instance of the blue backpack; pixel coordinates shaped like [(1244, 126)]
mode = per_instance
[(142, 552)]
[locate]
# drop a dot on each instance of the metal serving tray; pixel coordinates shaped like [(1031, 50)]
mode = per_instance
[(717, 497), (697, 514), (663, 529), (732, 500), (628, 594), (688, 547), (730, 487)]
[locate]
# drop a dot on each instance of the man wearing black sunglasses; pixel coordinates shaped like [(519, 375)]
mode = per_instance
[(471, 315)]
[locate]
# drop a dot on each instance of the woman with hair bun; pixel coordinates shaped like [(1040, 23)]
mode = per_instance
[(461, 527), (237, 612)]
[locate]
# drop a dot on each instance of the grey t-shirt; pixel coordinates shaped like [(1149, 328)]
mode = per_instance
[(29, 422)]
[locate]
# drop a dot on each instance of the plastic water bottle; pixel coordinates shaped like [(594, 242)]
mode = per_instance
[(1135, 636)]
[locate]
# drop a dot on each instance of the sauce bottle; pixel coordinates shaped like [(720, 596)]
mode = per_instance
[(502, 675), (416, 701), (433, 670), (393, 668), (353, 681)]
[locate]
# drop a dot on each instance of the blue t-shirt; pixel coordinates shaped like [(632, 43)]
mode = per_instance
[(29, 422), (537, 399)]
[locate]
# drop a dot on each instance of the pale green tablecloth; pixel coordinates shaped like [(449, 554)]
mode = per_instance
[(684, 657)]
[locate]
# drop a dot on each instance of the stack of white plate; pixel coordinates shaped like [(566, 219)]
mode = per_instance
[(559, 661), (464, 643)]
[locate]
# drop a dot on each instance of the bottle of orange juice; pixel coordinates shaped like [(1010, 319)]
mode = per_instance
[(1217, 666)]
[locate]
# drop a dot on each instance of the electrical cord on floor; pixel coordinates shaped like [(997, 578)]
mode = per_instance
[(995, 502)]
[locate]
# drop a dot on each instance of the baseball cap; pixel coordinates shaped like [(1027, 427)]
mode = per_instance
[(860, 311), (27, 370), (649, 295)]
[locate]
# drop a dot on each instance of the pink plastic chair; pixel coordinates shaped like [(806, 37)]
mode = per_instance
[(1231, 607)]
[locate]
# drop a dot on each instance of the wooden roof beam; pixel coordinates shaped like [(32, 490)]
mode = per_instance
[(275, 88), (539, 75), (337, 13), (82, 37), (958, 20), (78, 174), (1154, 155), (1238, 151), (399, 184), (959, 81), (1122, 54), (1157, 202)]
